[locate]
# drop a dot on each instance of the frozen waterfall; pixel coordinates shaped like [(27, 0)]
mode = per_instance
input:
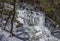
[(33, 23)]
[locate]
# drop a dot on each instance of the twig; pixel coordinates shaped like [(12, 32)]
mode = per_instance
[(12, 19)]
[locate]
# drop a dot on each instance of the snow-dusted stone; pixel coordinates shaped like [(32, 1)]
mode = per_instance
[(8, 7)]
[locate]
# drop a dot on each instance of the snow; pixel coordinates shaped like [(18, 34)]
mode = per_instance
[(7, 36)]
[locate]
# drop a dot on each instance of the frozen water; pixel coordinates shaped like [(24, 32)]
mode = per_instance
[(33, 24)]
